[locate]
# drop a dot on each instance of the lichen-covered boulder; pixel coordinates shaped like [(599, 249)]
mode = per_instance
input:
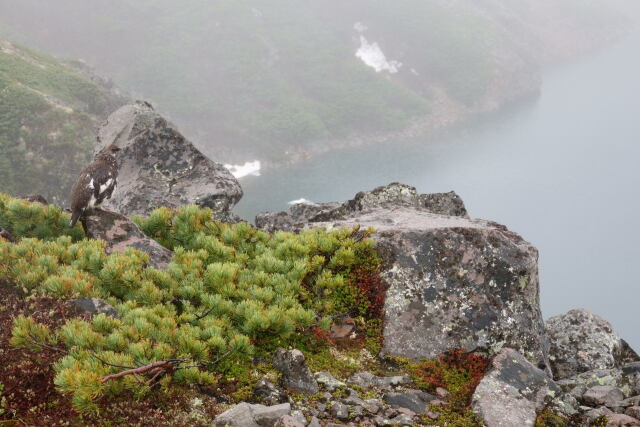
[(453, 282), (120, 233), (581, 341), (159, 167), (512, 392), (301, 215)]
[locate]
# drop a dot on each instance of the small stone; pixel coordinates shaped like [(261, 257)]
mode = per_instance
[(592, 414), (357, 411), (381, 421), (268, 393), (402, 420), (353, 399), (267, 416), (368, 380), (633, 411), (407, 412), (372, 405), (415, 400), (390, 412), (342, 328), (296, 376), (288, 421), (340, 411), (240, 415), (432, 415), (299, 416), (328, 381), (632, 401), (314, 422), (6, 235), (603, 395), (321, 407), (622, 420), (95, 306), (441, 392)]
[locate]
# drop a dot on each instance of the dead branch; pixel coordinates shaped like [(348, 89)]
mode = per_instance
[(152, 368)]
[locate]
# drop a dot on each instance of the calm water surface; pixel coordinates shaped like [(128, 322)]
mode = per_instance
[(563, 171)]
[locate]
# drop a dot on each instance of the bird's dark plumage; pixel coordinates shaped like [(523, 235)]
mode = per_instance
[(95, 183)]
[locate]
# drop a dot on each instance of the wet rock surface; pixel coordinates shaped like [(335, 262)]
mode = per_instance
[(120, 233), (512, 392), (581, 341), (302, 215), (159, 167)]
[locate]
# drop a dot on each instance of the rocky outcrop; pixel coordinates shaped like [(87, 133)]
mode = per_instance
[(453, 282), (512, 392), (296, 376), (159, 167), (581, 341), (121, 233), (302, 215)]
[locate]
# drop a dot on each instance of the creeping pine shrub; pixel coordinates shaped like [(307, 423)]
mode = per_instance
[(231, 289)]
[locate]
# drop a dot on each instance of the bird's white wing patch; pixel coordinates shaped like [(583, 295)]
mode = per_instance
[(91, 184), (106, 185), (92, 201)]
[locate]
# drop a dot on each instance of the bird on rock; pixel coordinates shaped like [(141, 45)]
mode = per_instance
[(95, 183)]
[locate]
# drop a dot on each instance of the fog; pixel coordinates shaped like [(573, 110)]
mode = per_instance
[(309, 101)]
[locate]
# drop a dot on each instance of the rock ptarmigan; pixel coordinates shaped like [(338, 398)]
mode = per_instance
[(95, 183)]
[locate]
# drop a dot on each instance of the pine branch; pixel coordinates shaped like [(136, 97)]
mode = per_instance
[(48, 347), (204, 364)]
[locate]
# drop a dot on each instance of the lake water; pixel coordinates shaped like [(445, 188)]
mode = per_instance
[(563, 171)]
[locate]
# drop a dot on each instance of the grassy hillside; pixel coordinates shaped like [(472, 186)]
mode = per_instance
[(259, 78), (48, 114)]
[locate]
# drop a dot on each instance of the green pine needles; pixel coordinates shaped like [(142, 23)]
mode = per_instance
[(231, 290)]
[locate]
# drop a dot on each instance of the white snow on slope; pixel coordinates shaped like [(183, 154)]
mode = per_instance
[(249, 168), (374, 57), (302, 201)]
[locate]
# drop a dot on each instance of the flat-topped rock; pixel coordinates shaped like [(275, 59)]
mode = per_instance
[(120, 233)]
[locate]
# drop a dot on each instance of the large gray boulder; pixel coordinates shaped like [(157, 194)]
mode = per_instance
[(453, 282), (301, 215), (159, 167), (120, 233), (581, 341), (512, 392)]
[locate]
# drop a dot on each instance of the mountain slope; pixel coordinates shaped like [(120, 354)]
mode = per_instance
[(48, 114), (269, 78)]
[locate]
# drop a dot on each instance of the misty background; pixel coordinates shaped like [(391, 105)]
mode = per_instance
[(528, 110)]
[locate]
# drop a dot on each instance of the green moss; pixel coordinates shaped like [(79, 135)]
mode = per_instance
[(600, 422), (548, 418)]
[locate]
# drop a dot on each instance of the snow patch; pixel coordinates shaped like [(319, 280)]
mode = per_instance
[(302, 201), (249, 168), (372, 55), (360, 27)]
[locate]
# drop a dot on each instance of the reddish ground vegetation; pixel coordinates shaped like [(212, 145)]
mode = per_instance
[(372, 289), (26, 375), (31, 398), (458, 371)]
